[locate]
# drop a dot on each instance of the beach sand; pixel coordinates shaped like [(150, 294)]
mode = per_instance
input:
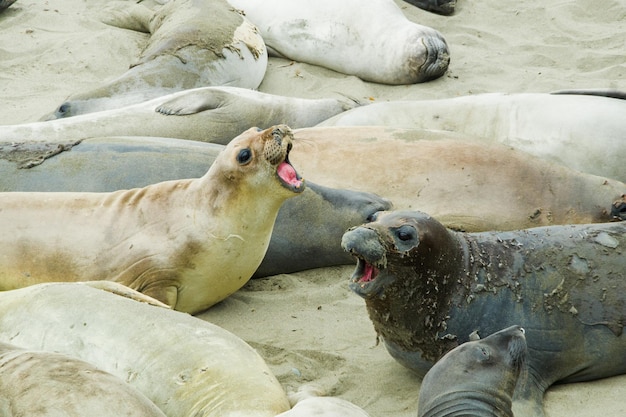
[(309, 326)]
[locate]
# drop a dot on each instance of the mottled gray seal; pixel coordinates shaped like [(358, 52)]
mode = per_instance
[(307, 232), (376, 44), (193, 43), (582, 131), (427, 288), (207, 114), (477, 378), (43, 384), (188, 243)]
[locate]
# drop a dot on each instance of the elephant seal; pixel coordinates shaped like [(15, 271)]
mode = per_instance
[(42, 384), (427, 287), (467, 184), (187, 243), (184, 365), (584, 132), (476, 378), (308, 229), (207, 114), (5, 4), (443, 7), (330, 34), (193, 43)]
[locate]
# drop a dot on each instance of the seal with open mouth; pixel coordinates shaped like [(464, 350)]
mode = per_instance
[(187, 243), (427, 288)]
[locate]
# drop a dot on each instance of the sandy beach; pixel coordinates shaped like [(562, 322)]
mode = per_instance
[(309, 326)]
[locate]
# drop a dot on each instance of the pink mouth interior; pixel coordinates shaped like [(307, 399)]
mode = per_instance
[(288, 174), (369, 273)]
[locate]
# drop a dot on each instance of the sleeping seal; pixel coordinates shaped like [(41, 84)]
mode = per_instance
[(426, 288), (188, 243)]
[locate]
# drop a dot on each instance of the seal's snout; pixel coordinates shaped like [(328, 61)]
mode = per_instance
[(276, 152), (437, 57), (618, 209)]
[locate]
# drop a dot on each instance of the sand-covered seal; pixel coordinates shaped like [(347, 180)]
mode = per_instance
[(466, 184), (42, 384), (308, 229), (193, 43), (582, 131), (207, 114), (188, 243), (184, 365), (427, 288), (376, 43), (477, 378)]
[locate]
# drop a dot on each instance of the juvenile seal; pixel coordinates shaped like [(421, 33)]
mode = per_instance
[(377, 44), (193, 43), (184, 365), (208, 114), (477, 378), (582, 131), (308, 229), (188, 243), (467, 184), (42, 384), (426, 288)]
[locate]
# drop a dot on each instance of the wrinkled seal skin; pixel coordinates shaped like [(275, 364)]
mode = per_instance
[(184, 365), (193, 43), (477, 378), (206, 114), (377, 44), (188, 243), (308, 229), (582, 131), (426, 288), (42, 384)]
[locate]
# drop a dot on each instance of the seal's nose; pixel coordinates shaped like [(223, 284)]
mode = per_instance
[(363, 242)]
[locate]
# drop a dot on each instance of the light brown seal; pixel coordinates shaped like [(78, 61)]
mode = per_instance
[(187, 243), (44, 384), (193, 43)]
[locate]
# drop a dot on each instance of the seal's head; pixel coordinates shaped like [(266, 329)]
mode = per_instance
[(390, 248), (258, 160), (477, 375)]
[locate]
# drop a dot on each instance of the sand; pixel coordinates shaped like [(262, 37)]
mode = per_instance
[(309, 326)]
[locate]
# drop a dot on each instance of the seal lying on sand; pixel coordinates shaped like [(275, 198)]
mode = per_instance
[(376, 43), (193, 43), (308, 229), (208, 114), (42, 384), (582, 131), (426, 288), (467, 184), (477, 378), (184, 365), (187, 243)]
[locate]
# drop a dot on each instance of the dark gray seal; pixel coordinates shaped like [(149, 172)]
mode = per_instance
[(443, 7), (427, 287), (477, 378), (307, 232)]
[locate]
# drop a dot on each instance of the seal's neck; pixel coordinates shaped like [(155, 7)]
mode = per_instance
[(489, 403)]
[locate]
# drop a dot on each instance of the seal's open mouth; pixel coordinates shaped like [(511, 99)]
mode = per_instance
[(289, 177), (364, 272)]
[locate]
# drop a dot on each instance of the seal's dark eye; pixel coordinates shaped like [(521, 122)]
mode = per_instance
[(405, 233), (244, 156), (64, 108)]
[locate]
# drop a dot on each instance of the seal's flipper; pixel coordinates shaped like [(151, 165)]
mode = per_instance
[(192, 102), (124, 291), (125, 15), (5, 3), (599, 92)]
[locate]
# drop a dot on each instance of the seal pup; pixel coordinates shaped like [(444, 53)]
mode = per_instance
[(193, 43), (42, 384), (188, 243), (427, 287), (184, 365), (581, 131), (308, 229), (377, 44), (477, 378), (206, 114), (466, 184)]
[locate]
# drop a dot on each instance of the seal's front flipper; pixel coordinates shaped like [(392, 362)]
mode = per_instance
[(124, 291), (192, 102), (126, 15)]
